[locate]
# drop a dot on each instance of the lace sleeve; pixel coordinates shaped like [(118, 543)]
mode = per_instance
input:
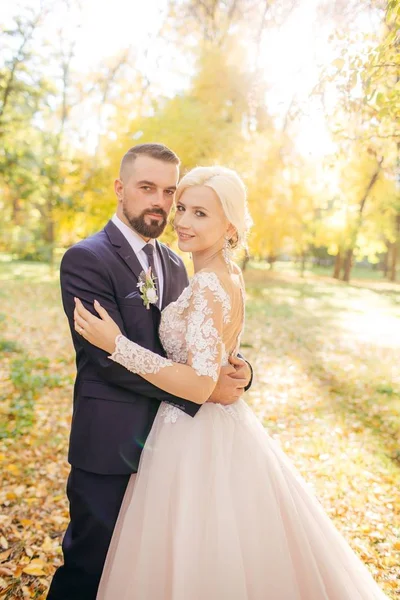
[(206, 311), (137, 359)]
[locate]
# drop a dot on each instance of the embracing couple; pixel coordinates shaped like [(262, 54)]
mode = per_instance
[(176, 491)]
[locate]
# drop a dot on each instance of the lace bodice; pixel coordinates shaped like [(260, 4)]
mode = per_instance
[(187, 325), (198, 331)]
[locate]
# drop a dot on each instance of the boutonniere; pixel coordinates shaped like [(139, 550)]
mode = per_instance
[(147, 287)]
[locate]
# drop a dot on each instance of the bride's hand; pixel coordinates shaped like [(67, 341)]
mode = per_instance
[(242, 369), (99, 332)]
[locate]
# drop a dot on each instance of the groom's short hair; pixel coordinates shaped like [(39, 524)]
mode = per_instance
[(157, 151)]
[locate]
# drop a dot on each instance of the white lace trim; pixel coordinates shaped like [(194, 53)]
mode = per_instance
[(171, 413), (211, 281), (137, 359), (204, 279), (202, 338), (195, 332)]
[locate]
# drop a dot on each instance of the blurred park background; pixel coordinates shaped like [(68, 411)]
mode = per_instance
[(302, 98)]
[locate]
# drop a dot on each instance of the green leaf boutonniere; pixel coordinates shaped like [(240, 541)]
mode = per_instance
[(147, 287)]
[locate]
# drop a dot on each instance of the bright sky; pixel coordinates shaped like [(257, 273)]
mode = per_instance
[(289, 57), (108, 26), (101, 28)]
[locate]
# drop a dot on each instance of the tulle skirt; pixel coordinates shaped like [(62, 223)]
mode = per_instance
[(218, 512)]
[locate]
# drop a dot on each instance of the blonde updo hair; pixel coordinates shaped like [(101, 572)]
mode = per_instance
[(231, 192)]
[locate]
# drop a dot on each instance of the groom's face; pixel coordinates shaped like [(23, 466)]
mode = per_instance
[(145, 195)]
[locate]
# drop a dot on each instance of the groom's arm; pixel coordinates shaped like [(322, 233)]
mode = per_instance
[(83, 276)]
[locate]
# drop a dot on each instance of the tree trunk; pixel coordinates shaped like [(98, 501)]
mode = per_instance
[(338, 265), (395, 251), (348, 263), (385, 261), (303, 263), (16, 210), (271, 260), (393, 261), (49, 238), (245, 260)]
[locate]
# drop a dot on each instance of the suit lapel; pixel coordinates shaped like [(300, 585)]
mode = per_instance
[(123, 248), (166, 267), (125, 251)]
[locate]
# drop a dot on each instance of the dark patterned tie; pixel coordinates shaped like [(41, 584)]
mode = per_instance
[(149, 249)]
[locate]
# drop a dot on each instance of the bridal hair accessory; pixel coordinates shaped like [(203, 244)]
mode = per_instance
[(147, 287)]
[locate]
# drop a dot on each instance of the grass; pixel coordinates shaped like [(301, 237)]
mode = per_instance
[(359, 272), (32, 272), (327, 388)]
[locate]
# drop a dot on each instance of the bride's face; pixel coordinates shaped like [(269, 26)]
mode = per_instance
[(200, 221)]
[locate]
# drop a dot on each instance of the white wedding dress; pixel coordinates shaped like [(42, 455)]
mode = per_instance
[(217, 511)]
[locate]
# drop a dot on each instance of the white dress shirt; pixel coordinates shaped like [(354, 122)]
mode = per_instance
[(137, 244)]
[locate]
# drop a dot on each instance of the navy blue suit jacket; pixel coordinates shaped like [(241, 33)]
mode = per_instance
[(114, 409)]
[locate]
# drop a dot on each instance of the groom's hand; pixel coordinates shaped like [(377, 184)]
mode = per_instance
[(242, 369), (230, 385)]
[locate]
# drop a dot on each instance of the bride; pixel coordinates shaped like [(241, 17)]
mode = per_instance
[(217, 510)]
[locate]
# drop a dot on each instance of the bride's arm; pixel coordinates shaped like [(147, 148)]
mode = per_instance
[(174, 378), (193, 381)]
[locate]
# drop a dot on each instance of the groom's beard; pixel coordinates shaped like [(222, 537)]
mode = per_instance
[(152, 230)]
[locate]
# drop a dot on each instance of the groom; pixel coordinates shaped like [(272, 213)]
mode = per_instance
[(114, 409)]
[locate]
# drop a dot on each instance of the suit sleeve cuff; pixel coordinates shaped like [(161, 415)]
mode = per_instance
[(248, 386)]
